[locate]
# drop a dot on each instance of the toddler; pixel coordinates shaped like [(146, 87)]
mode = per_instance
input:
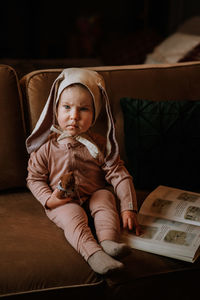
[(62, 142)]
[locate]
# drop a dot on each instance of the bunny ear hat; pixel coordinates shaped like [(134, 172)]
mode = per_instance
[(94, 82)]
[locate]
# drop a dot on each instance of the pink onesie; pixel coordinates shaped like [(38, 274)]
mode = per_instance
[(93, 177)]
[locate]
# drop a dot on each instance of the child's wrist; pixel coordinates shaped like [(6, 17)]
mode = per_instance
[(46, 205)]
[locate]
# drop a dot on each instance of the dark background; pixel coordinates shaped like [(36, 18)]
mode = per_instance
[(115, 32)]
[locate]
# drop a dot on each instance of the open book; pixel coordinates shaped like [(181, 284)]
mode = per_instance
[(170, 220)]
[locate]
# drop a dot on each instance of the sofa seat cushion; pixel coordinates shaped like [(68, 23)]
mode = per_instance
[(162, 142), (151, 276), (34, 255), (35, 259)]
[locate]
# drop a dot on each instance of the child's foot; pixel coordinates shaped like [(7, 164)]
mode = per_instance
[(102, 263), (115, 249)]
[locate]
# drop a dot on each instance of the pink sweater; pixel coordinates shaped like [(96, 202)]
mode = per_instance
[(53, 159)]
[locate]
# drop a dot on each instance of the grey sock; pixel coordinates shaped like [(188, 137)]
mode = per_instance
[(102, 263), (115, 249)]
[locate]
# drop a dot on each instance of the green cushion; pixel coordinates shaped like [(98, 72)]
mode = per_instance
[(162, 140)]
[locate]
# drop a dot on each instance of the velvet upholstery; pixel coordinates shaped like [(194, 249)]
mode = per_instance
[(12, 132)]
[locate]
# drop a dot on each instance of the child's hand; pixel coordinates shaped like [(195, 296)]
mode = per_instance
[(54, 201), (129, 220)]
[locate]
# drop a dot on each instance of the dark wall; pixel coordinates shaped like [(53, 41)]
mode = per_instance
[(64, 29)]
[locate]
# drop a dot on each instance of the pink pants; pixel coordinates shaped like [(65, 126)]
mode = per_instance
[(72, 218)]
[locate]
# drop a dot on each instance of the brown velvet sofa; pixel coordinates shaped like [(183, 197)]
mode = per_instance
[(36, 262)]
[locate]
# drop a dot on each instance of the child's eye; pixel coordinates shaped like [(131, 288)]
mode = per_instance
[(84, 108), (66, 106)]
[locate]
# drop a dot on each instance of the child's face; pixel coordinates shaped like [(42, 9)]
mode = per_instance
[(75, 110)]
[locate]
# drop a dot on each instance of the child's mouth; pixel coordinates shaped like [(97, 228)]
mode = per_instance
[(72, 126)]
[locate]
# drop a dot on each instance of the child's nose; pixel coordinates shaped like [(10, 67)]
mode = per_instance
[(75, 114)]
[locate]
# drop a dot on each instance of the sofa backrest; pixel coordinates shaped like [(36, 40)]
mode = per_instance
[(13, 156), (153, 82)]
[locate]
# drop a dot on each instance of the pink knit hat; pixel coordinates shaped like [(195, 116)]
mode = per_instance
[(94, 82)]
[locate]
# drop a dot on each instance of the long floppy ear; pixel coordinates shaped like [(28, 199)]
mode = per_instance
[(42, 128), (112, 145)]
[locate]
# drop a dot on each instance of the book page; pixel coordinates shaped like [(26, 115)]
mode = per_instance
[(165, 237), (173, 204)]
